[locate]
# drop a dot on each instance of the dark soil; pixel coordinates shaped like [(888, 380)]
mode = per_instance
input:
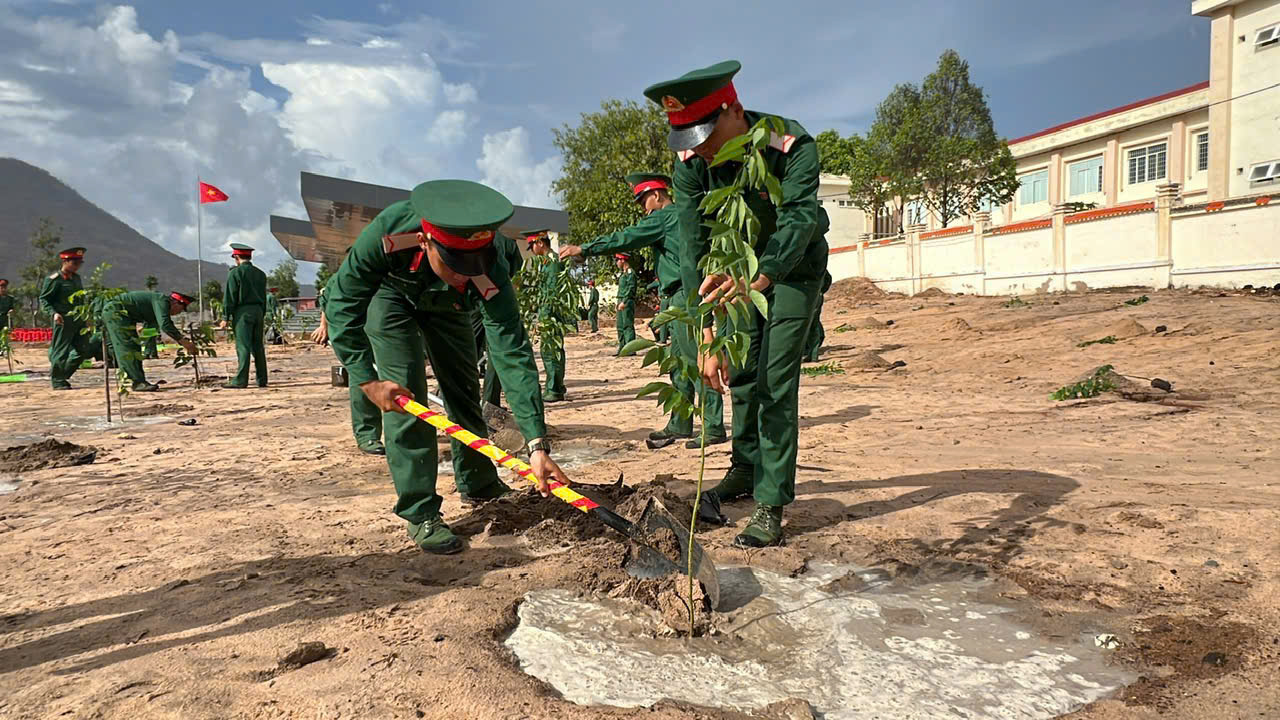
[(153, 410), (542, 520), (50, 453), (1191, 649)]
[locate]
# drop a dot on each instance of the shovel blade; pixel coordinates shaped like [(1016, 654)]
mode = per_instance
[(649, 562)]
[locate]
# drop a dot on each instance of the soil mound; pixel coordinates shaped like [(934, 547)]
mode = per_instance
[(866, 360), (542, 520), (932, 292), (1128, 388), (956, 325), (50, 453), (867, 323), (153, 410), (854, 289), (1127, 328)]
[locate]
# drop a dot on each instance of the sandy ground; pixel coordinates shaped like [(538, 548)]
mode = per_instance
[(170, 577)]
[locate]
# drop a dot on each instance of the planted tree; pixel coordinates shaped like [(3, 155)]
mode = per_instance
[(201, 335), (89, 307), (734, 231)]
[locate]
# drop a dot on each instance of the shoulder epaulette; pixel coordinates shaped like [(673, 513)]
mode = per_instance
[(54, 276), (396, 243), (781, 142), (684, 155)]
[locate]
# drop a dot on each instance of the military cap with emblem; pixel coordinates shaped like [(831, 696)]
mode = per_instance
[(180, 298), (239, 250), (642, 183), (693, 102), (75, 253), (532, 236), (462, 217)]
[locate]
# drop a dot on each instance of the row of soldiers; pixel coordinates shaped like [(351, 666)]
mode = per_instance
[(430, 270), (245, 301)]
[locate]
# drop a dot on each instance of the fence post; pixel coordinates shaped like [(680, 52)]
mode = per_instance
[(863, 241), (981, 220), (1166, 196), (913, 255), (1060, 212)]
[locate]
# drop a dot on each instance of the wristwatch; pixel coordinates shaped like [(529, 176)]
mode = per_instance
[(542, 444)]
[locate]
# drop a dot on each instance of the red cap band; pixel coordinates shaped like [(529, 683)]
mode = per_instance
[(703, 107), (621, 256), (180, 298), (648, 185), (241, 253), (71, 256), (474, 241)]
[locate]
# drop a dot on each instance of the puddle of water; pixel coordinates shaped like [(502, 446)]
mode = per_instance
[(98, 423), (934, 650), (7, 487), (567, 455)]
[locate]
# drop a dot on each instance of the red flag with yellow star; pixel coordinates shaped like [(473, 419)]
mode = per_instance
[(211, 194)]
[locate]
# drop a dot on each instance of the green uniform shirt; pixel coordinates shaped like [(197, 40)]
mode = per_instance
[(627, 287), (593, 300), (547, 278), (144, 306), (790, 245), (246, 285), (56, 292), (659, 230), (368, 267), (273, 303), (7, 303)]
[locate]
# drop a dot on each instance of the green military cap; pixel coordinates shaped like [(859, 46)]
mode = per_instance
[(642, 183), (239, 250), (693, 102), (75, 253), (462, 217), (531, 236)]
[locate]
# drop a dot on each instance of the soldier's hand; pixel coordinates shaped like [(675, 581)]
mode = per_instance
[(714, 371), (622, 306), (569, 251), (57, 318), (383, 394), (546, 469), (320, 335), (189, 346), (222, 325)]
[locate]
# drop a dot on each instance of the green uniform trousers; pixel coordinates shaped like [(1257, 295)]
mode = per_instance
[(248, 322), (366, 418), (593, 317), (126, 347), (686, 346), (553, 366), (492, 386), (69, 349), (626, 325), (661, 334), (766, 391), (400, 337), (150, 349), (817, 335)]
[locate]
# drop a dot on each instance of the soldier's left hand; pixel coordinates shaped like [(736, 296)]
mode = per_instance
[(569, 251), (546, 469), (724, 289), (189, 346)]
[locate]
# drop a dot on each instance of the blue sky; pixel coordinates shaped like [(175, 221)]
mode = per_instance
[(248, 93)]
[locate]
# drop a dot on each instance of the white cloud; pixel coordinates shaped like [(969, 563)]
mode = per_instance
[(507, 163), (459, 94)]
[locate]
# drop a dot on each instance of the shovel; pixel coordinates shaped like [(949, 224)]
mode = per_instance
[(646, 562)]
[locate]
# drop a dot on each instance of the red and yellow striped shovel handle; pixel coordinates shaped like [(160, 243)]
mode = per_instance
[(493, 452)]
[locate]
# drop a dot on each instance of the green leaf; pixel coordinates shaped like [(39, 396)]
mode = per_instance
[(652, 356), (637, 345), (652, 388), (762, 304)]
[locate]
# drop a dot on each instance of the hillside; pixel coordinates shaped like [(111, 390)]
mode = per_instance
[(31, 193)]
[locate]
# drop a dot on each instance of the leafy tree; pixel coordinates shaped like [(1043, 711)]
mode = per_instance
[(151, 282), (46, 241), (965, 162), (836, 154), (322, 276), (213, 294), (623, 137), (284, 278)]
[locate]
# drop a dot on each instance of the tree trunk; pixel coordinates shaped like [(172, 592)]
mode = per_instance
[(106, 376)]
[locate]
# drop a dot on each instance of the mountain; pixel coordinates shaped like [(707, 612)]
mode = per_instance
[(30, 193)]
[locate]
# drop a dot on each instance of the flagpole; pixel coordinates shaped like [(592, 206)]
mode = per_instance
[(199, 256)]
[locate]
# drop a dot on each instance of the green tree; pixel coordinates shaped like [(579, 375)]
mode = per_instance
[(964, 161), (323, 275), (623, 137), (284, 278), (151, 282), (836, 154), (46, 241)]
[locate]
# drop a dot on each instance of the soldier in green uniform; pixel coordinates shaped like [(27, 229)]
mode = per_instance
[(626, 301), (659, 229), (7, 304), (404, 295), (492, 394), (120, 316), (593, 306), (703, 110), (817, 335), (548, 286), (244, 301), (70, 345), (273, 307), (150, 338), (366, 418)]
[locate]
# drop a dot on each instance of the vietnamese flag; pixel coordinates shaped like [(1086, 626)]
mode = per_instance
[(211, 194)]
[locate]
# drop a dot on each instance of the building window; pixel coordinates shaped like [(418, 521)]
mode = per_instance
[(915, 212), (1202, 151), (884, 222), (1267, 36), (1086, 176), (845, 203), (1034, 188), (1147, 164), (1266, 172)]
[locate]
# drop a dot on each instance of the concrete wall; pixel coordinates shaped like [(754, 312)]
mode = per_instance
[(1156, 244), (1255, 128)]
